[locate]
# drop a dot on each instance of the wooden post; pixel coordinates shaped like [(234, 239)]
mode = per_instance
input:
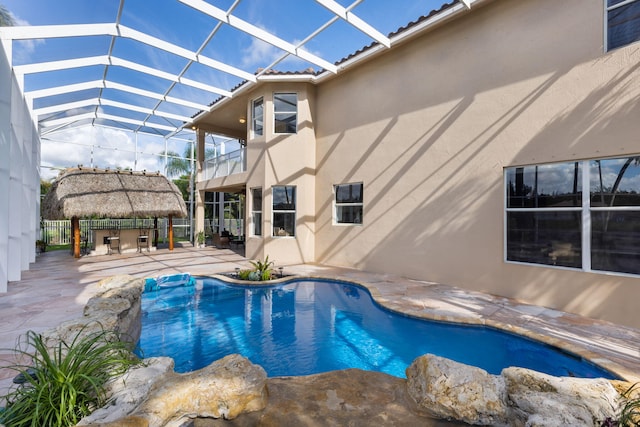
[(155, 231), (75, 229), (170, 232)]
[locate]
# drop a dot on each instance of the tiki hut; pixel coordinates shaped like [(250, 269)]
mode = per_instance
[(86, 192)]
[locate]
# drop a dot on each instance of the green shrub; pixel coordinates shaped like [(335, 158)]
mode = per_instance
[(244, 274), (262, 270), (65, 382), (630, 415)]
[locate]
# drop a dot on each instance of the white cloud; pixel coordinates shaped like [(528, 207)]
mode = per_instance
[(23, 49), (99, 147), (259, 54)]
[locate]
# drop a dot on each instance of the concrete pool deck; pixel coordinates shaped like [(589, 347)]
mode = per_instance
[(57, 287)]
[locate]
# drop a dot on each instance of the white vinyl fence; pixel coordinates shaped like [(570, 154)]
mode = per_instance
[(59, 232)]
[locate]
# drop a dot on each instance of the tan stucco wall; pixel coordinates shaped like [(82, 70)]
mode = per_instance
[(278, 159), (430, 126)]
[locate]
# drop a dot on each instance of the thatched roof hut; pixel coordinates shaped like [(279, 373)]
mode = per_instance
[(82, 192), (86, 192)]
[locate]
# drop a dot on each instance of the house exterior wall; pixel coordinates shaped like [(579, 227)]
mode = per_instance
[(283, 159), (429, 127)]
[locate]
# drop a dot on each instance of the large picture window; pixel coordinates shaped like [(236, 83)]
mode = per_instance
[(257, 117), (285, 107), (582, 214), (623, 22), (284, 211), (256, 211), (348, 203)]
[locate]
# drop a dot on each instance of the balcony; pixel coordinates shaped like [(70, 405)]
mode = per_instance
[(226, 164)]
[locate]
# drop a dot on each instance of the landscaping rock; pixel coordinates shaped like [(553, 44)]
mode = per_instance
[(351, 397), (224, 389), (129, 390), (117, 308), (541, 400), (452, 390)]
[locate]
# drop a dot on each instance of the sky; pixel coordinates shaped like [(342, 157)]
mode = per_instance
[(114, 145)]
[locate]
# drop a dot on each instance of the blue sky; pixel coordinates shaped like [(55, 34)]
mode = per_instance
[(175, 22)]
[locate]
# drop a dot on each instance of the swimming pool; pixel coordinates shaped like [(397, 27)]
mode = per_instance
[(311, 326)]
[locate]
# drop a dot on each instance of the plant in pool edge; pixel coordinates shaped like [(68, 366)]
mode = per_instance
[(262, 270), (65, 382)]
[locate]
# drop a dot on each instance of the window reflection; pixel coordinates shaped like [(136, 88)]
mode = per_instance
[(555, 185), (552, 238), (284, 210), (615, 241), (623, 23), (256, 195), (285, 107), (615, 182)]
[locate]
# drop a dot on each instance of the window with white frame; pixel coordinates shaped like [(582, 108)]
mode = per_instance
[(284, 210), (257, 117), (583, 214), (348, 203), (285, 107), (622, 22), (256, 211)]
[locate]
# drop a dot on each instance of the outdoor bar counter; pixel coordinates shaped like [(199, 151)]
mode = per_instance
[(121, 240)]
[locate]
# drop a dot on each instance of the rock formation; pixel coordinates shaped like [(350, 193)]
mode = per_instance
[(154, 395), (449, 389), (542, 400), (517, 397)]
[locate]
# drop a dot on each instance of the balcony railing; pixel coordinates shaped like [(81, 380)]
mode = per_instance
[(226, 164)]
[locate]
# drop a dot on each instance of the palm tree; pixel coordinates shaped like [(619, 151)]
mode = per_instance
[(6, 18), (178, 165)]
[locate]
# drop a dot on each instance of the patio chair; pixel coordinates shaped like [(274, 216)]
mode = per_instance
[(143, 240), (114, 241), (220, 241), (85, 249)]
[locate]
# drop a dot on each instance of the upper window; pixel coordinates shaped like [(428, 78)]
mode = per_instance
[(257, 117), (348, 203), (582, 214), (623, 22), (284, 210), (256, 211), (285, 107)]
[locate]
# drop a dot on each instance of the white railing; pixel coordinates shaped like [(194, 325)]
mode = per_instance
[(226, 164), (59, 232)]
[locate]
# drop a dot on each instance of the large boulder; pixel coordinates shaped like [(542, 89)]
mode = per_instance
[(129, 390), (120, 299), (452, 390), (225, 389), (541, 400)]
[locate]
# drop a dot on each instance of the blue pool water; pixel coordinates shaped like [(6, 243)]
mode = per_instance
[(306, 327)]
